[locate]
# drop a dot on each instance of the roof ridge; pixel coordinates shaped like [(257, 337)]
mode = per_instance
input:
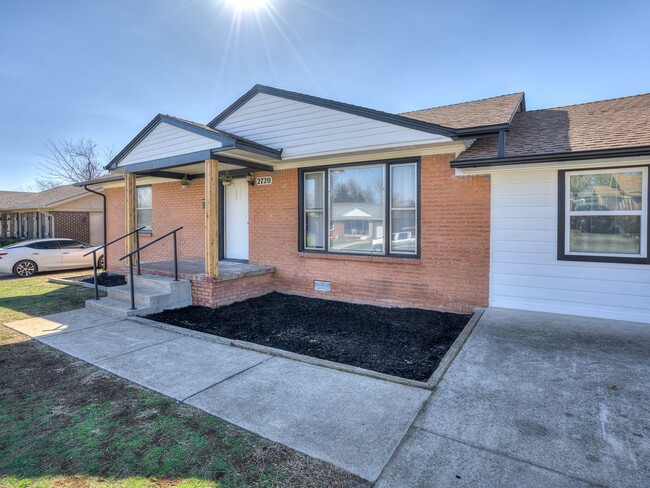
[(463, 103), (589, 103)]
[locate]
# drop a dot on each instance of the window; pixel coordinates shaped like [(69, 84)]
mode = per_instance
[(361, 209), (314, 202), (43, 245), (604, 215), (143, 207), (70, 244)]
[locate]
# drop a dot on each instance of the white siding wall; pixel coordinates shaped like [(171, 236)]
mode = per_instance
[(304, 130), (525, 272), (167, 140)]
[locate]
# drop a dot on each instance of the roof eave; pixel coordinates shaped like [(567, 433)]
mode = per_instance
[(552, 157), (483, 130), (99, 181)]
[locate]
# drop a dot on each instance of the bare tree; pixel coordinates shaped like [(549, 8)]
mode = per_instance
[(70, 161)]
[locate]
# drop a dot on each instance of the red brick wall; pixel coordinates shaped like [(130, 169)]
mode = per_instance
[(72, 225), (208, 292), (172, 207), (452, 273)]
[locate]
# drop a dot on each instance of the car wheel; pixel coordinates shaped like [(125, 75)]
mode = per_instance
[(25, 268), (100, 262)]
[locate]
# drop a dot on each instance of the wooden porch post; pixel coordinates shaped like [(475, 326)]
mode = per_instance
[(130, 195), (212, 218)]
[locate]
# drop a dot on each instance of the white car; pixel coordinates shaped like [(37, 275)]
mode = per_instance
[(29, 257)]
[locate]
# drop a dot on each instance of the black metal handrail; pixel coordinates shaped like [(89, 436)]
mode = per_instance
[(137, 251), (104, 246)]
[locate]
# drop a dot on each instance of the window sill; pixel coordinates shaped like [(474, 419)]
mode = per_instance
[(406, 260), (603, 259)]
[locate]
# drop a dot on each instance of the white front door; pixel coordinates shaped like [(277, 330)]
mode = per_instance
[(236, 219)]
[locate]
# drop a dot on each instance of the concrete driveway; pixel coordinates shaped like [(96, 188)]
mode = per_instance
[(536, 399)]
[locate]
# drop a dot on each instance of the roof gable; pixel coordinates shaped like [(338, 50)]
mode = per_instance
[(606, 125), (167, 136), (304, 129), (331, 104), (488, 112)]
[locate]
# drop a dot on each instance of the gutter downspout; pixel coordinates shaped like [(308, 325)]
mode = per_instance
[(104, 217)]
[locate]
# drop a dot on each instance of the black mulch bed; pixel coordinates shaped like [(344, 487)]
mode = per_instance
[(404, 342), (106, 279)]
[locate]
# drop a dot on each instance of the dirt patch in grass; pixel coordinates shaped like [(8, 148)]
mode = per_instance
[(404, 342), (64, 422), (105, 279)]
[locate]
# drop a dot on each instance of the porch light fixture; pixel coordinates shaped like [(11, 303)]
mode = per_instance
[(250, 179)]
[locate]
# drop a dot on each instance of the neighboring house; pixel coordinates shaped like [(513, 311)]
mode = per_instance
[(448, 208), (64, 211)]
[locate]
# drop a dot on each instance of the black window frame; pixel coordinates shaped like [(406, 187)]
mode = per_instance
[(387, 163), (561, 219)]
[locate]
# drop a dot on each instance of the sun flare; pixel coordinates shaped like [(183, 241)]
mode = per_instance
[(241, 5)]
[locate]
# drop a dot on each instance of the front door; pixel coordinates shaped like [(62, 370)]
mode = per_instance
[(236, 219)]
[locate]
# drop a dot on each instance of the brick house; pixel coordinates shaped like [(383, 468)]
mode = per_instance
[(450, 208), (65, 211)]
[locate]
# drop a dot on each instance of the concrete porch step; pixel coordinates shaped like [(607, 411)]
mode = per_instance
[(152, 294), (117, 308), (144, 296)]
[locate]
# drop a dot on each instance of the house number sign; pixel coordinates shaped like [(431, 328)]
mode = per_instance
[(263, 180)]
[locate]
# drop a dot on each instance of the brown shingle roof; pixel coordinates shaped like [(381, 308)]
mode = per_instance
[(11, 200), (608, 124), (478, 113), (20, 200)]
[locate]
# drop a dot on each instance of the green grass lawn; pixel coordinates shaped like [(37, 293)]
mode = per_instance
[(22, 298), (64, 422)]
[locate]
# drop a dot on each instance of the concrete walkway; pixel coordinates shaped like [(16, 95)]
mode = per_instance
[(536, 399), (351, 421), (532, 399)]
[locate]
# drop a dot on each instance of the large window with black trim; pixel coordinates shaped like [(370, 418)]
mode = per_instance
[(603, 215), (370, 208)]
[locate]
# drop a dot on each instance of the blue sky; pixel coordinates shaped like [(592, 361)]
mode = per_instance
[(104, 69)]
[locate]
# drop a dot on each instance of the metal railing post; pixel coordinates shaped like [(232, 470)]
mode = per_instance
[(175, 259), (136, 252), (131, 282), (95, 274), (137, 246)]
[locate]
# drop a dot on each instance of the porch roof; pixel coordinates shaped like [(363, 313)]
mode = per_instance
[(167, 143)]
